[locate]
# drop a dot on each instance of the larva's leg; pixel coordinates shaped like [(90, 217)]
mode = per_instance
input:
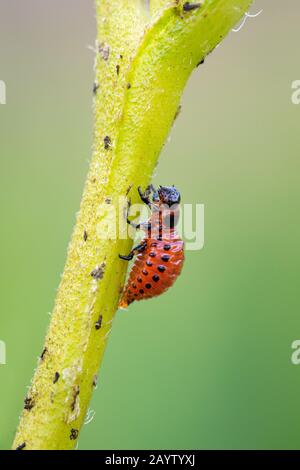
[(141, 225), (132, 224), (138, 249), (145, 195)]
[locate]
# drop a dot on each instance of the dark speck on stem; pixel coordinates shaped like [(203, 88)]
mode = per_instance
[(74, 434), (191, 6), (95, 87), (28, 403), (98, 323), (21, 446), (98, 272), (56, 377), (104, 51), (107, 142), (201, 62), (43, 354)]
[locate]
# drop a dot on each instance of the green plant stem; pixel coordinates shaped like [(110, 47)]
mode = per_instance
[(157, 5), (141, 70)]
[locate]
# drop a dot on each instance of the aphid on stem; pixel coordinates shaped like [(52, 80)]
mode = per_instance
[(191, 6)]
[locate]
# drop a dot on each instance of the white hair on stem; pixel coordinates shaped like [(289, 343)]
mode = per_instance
[(246, 16)]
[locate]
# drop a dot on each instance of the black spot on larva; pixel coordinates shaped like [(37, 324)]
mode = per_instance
[(161, 268), (118, 69), (128, 86), (95, 380), (104, 51), (148, 286), (21, 446), (145, 272), (139, 279), (56, 377), (141, 291), (155, 278), (98, 272), (28, 403), (134, 286), (43, 353), (165, 257), (85, 235), (154, 244), (76, 391), (191, 6), (107, 142), (148, 263), (98, 323), (74, 434), (152, 254), (167, 247), (108, 200), (95, 87)]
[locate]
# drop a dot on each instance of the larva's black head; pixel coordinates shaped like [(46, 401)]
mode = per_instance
[(168, 195)]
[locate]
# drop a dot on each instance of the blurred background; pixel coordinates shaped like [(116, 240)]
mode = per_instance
[(217, 373)]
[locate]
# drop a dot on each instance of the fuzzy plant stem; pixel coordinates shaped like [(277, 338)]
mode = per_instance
[(144, 57)]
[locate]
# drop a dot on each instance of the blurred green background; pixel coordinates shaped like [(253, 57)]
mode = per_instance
[(217, 372)]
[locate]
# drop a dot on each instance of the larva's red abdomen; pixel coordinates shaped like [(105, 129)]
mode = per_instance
[(155, 269)]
